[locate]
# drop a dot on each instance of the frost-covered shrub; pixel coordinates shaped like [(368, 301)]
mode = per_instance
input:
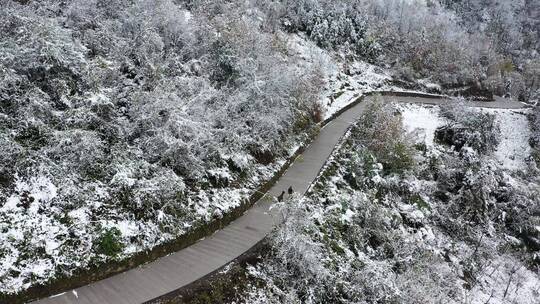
[(83, 150), (512, 34), (468, 181), (468, 128), (146, 191), (424, 40), (381, 131), (474, 184), (11, 152), (531, 76), (519, 213), (343, 251), (361, 170), (45, 54), (474, 191)]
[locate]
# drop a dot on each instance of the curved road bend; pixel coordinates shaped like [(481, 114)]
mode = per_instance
[(181, 268)]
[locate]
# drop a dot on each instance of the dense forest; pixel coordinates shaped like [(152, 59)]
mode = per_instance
[(126, 123)]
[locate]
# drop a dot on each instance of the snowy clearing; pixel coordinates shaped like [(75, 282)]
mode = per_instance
[(513, 151), (422, 121)]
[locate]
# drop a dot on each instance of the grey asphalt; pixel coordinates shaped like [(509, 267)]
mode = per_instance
[(181, 268)]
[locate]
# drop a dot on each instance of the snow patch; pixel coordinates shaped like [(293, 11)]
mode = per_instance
[(348, 216), (513, 151), (421, 121)]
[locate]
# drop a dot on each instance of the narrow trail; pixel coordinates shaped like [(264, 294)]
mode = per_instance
[(186, 266)]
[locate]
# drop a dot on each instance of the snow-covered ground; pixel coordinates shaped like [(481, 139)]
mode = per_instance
[(513, 151), (26, 227), (505, 280), (422, 121)]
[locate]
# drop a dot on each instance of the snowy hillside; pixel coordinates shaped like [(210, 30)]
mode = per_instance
[(126, 125)]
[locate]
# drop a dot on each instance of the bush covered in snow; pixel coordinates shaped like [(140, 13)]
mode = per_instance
[(468, 128), (512, 28), (340, 25), (380, 134)]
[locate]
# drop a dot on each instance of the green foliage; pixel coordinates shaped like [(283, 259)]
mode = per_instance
[(336, 247), (369, 163), (421, 146), (109, 243), (301, 123), (506, 66)]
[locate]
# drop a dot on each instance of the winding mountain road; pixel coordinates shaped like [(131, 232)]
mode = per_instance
[(181, 268)]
